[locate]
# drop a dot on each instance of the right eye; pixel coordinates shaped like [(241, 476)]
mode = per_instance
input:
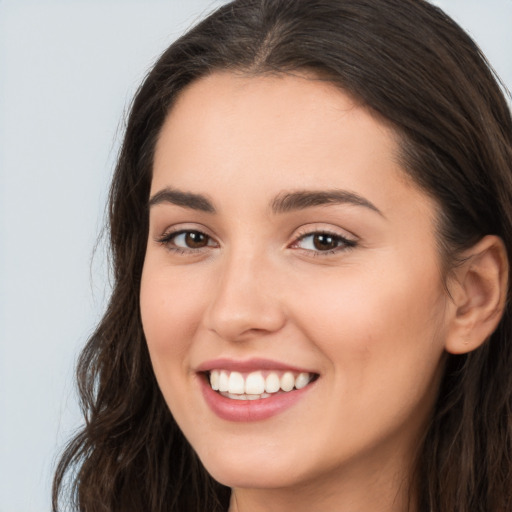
[(187, 240)]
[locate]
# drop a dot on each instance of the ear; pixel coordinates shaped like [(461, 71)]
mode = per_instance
[(478, 288)]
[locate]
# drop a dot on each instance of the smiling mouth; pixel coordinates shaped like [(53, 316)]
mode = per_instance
[(258, 384)]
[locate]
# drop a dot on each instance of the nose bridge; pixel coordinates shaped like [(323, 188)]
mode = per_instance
[(244, 300)]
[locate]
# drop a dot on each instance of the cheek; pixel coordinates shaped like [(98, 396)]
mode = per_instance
[(376, 307), (378, 326), (384, 347), (170, 313)]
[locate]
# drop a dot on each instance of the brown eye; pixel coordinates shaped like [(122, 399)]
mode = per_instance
[(187, 240), (195, 239), (320, 242), (325, 242)]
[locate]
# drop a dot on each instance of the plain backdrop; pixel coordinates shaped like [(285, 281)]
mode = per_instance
[(68, 70)]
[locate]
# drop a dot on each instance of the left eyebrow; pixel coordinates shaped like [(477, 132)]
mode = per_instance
[(303, 199)]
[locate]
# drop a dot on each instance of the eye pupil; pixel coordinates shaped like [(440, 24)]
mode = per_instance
[(323, 242), (196, 240)]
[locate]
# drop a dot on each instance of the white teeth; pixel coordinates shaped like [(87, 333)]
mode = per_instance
[(302, 380), (234, 396), (223, 381), (255, 397), (214, 380), (287, 381), (272, 384), (236, 383), (254, 385)]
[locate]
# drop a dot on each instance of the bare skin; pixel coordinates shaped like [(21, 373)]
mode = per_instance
[(252, 261)]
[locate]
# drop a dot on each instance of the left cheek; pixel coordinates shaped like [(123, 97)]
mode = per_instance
[(364, 319), (381, 351)]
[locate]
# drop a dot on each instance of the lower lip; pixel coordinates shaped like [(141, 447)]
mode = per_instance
[(250, 410)]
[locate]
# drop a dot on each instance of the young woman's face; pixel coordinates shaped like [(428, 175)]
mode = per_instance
[(292, 262)]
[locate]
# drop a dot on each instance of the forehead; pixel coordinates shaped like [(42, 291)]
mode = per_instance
[(271, 133)]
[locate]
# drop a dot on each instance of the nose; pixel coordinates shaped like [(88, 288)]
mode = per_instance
[(246, 299)]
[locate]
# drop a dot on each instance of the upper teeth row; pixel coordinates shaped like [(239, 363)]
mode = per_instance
[(255, 383)]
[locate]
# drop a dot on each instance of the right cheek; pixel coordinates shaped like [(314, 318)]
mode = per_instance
[(161, 339), (154, 310), (170, 313)]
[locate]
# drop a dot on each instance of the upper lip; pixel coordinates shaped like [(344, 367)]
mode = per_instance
[(248, 365)]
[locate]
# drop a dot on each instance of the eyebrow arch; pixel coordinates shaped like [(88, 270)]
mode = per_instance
[(303, 199), (185, 199)]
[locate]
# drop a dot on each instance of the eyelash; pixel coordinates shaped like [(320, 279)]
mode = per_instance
[(343, 243), (168, 240)]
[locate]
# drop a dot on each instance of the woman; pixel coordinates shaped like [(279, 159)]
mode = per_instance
[(310, 224)]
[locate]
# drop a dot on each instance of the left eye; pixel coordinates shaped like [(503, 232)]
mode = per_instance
[(323, 242)]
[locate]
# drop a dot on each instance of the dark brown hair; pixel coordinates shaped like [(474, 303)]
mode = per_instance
[(409, 63)]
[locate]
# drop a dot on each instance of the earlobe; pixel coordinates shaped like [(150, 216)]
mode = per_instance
[(479, 292)]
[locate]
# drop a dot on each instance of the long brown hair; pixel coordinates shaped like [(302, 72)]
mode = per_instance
[(413, 66)]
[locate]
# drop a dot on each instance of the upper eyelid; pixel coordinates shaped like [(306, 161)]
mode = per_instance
[(313, 228), (178, 232), (183, 228), (346, 238), (348, 242), (298, 233)]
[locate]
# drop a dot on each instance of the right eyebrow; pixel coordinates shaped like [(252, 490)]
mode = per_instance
[(185, 199)]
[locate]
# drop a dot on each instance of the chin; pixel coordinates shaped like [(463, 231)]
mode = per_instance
[(252, 472), (252, 478)]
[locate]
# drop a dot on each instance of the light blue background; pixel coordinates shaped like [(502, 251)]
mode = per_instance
[(68, 70)]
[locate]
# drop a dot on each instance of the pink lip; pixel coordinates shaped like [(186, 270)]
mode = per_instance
[(249, 410), (248, 365)]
